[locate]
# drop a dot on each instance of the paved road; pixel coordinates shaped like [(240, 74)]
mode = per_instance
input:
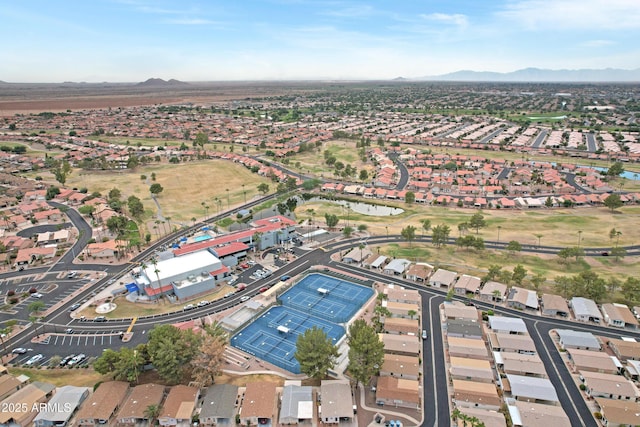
[(592, 144), (538, 141), (403, 179), (491, 136)]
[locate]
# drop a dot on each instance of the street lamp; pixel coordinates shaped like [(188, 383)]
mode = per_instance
[(579, 237), (499, 227)]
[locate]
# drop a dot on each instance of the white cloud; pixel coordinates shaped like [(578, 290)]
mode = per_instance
[(593, 15), (454, 19), (192, 21), (597, 43)]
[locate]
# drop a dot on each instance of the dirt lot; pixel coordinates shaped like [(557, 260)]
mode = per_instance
[(34, 98)]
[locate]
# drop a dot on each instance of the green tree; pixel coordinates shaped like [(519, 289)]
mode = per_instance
[(537, 281), (36, 307), (315, 353), (152, 412), (156, 188), (631, 289), (171, 351), (208, 362), (135, 206), (364, 175), (263, 187), (347, 231), (493, 273), (519, 273), (440, 235), (616, 169), (61, 171), (52, 192), (331, 220), (410, 197), (117, 224), (514, 246), (366, 351), (408, 233), (613, 201), (114, 194), (426, 225), (201, 139), (477, 221)]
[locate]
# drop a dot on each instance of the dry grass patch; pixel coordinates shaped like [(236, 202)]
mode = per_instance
[(84, 377)]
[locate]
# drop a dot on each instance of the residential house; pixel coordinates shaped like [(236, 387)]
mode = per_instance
[(554, 305), (398, 392), (493, 292), (619, 413), (619, 315), (398, 294), (62, 406), (609, 386), (585, 310), (297, 404), (179, 406), (419, 272), (464, 328), (406, 345), (467, 347), (356, 255), (337, 401), (32, 395), (102, 405), (593, 361), (219, 405), (507, 325), (520, 364), (133, 412), (471, 369), (467, 285), (457, 310), (624, 349), (259, 404), (521, 299), (400, 326), (397, 266), (530, 389), (9, 383), (578, 339), (443, 278), (472, 394), (108, 249), (531, 414), (522, 344), (402, 309), (399, 366), (487, 417)]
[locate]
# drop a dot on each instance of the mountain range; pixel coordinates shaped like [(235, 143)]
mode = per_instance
[(540, 75)]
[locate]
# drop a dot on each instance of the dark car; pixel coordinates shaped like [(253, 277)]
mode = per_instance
[(67, 359), (100, 319)]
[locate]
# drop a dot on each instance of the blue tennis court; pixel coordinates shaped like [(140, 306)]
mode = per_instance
[(326, 297), (273, 335), (317, 300)]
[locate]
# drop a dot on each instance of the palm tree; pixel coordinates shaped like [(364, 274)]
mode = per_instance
[(496, 295), (152, 413), (154, 262), (539, 236), (411, 313)]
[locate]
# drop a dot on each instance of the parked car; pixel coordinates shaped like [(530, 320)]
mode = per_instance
[(285, 278), (19, 350), (34, 359), (263, 289), (69, 331), (203, 303), (188, 307), (77, 360), (72, 274), (245, 298), (74, 307), (425, 335), (37, 295), (66, 359), (100, 319)]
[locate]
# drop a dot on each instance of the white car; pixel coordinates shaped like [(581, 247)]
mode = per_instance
[(19, 350), (76, 360), (37, 295), (244, 298), (34, 359)]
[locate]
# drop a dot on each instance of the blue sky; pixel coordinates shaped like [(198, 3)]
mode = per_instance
[(132, 40)]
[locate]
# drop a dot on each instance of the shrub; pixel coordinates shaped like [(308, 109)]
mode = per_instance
[(583, 387), (597, 415), (33, 290), (13, 300), (11, 293)]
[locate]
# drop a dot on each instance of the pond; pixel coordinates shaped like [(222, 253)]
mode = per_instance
[(365, 208)]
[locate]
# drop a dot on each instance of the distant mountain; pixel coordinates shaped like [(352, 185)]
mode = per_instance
[(400, 79), (154, 82), (542, 75)]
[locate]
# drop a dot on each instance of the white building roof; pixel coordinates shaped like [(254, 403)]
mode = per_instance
[(172, 267), (573, 338), (532, 387), (398, 265), (507, 324), (584, 307), (379, 261)]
